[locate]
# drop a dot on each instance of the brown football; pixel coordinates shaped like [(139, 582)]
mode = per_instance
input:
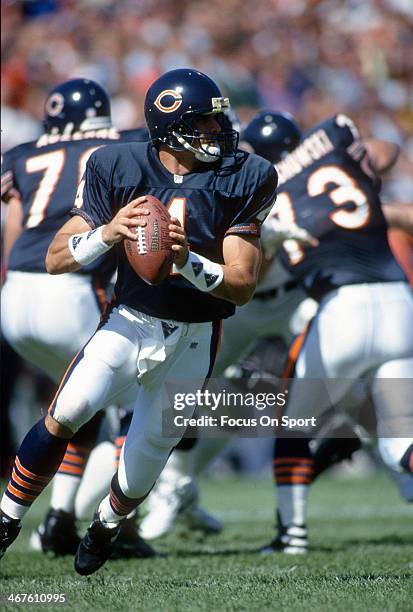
[(151, 255)]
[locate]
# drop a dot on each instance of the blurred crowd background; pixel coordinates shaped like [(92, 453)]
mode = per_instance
[(310, 57)]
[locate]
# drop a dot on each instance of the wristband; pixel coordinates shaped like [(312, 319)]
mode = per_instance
[(88, 246), (206, 275)]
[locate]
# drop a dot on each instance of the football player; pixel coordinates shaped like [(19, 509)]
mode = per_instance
[(330, 185), (47, 319), (218, 197), (278, 307)]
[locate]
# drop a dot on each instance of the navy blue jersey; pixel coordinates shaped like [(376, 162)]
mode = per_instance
[(44, 175), (229, 198), (328, 187)]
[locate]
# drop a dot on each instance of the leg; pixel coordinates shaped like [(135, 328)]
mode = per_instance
[(293, 473), (321, 359), (146, 448), (57, 533), (392, 389), (100, 372)]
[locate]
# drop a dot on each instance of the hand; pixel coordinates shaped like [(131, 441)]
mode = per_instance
[(274, 232), (180, 243), (125, 221), (302, 235)]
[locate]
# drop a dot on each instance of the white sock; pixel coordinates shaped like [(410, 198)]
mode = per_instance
[(64, 489), (12, 509), (96, 480), (292, 504), (107, 515)]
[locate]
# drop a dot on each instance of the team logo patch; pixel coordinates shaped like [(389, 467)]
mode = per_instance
[(54, 104), (197, 268), (168, 101), (75, 241), (168, 328)]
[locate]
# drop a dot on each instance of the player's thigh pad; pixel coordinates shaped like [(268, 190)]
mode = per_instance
[(48, 319), (392, 392), (331, 358), (104, 372)]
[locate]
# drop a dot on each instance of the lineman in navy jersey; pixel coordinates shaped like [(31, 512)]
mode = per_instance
[(151, 337), (48, 319), (364, 325), (329, 186), (43, 175)]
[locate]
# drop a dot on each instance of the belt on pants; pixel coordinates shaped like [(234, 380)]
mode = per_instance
[(276, 292)]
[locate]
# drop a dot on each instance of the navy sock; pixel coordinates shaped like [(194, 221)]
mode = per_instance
[(37, 461), (293, 462), (119, 502)]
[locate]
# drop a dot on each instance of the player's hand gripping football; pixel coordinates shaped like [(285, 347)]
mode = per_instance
[(124, 222), (180, 243)]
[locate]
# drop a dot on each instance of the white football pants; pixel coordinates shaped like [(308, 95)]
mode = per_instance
[(47, 319), (284, 315), (128, 347), (363, 330)]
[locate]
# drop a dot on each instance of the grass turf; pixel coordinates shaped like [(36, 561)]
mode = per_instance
[(361, 559)]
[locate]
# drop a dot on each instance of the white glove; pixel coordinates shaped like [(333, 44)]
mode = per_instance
[(274, 232)]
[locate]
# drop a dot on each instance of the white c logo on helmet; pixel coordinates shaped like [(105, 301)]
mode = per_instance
[(174, 106), (55, 104)]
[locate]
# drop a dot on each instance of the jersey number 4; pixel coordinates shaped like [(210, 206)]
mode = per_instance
[(347, 191), (51, 164)]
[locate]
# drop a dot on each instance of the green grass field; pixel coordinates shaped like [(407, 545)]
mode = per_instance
[(361, 559)]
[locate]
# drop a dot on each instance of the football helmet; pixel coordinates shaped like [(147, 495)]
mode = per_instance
[(78, 104), (271, 134), (172, 105)]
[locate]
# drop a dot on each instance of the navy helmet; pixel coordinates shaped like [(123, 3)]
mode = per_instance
[(173, 103), (78, 104), (271, 134)]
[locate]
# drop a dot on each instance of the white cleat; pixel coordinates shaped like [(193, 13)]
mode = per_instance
[(176, 502), (166, 504), (197, 519), (35, 542)]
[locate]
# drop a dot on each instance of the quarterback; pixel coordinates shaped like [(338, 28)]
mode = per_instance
[(218, 197)]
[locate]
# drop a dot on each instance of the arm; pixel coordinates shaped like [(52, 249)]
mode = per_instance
[(59, 258), (382, 154), (399, 216), (242, 259), (13, 226), (239, 272)]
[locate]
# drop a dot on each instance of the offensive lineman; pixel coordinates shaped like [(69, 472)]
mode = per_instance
[(364, 325), (221, 195), (47, 319)]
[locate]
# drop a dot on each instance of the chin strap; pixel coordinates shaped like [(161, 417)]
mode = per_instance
[(209, 156)]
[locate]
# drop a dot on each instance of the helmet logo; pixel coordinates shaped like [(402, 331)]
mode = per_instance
[(177, 101), (219, 105), (54, 104)]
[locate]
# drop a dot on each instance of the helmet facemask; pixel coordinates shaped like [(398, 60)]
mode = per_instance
[(208, 147)]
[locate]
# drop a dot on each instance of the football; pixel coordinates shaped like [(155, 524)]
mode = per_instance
[(151, 255)]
